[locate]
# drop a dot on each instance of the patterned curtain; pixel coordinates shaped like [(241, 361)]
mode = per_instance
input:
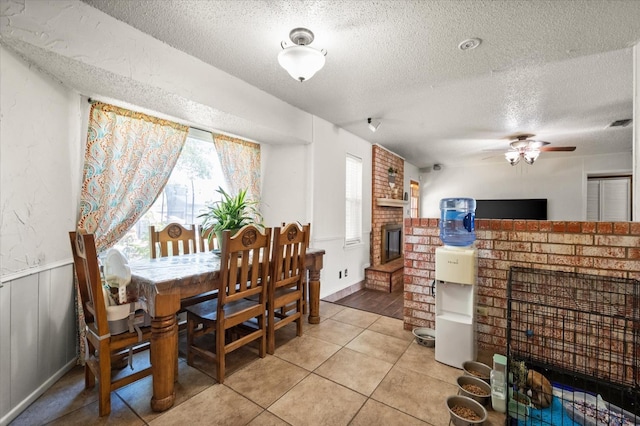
[(128, 160), (240, 161)]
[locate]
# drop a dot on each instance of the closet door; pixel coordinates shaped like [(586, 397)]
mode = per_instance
[(609, 199)]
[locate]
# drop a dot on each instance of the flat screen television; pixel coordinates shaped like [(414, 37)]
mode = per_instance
[(531, 208)]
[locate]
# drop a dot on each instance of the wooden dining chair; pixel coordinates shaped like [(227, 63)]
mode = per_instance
[(305, 286), (208, 240), (173, 240), (288, 276), (101, 346), (242, 296)]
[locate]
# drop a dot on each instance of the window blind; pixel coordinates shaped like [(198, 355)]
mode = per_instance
[(353, 205)]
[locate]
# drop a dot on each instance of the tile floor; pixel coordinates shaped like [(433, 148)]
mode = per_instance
[(354, 368)]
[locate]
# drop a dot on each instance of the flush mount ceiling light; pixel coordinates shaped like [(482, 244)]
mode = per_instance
[(373, 124), (524, 148), (300, 60)]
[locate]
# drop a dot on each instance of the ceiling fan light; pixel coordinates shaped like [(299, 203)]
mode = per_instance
[(301, 62), (531, 156), (513, 157)]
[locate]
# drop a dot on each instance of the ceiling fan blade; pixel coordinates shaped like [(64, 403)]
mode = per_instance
[(558, 148)]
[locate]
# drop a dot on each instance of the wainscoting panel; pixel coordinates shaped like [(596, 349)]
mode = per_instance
[(38, 335), (5, 350), (24, 337)]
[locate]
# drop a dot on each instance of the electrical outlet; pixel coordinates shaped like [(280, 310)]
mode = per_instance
[(482, 310), (339, 275), (345, 273)]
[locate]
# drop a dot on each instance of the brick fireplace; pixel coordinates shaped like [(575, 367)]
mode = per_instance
[(599, 248), (386, 211)]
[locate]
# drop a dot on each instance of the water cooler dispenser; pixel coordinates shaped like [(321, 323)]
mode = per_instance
[(456, 276), (456, 273)]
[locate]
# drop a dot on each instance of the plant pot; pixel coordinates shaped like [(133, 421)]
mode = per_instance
[(484, 398), (219, 235), (477, 369), (458, 402)]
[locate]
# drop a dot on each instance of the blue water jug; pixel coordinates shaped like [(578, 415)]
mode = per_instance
[(457, 217)]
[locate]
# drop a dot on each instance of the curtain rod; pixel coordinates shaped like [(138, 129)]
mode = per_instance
[(91, 101), (192, 127)]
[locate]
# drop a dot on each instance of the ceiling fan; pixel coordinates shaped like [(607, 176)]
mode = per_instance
[(529, 149)]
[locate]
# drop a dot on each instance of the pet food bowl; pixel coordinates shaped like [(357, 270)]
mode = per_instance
[(477, 369), (463, 403), (485, 390), (425, 336)]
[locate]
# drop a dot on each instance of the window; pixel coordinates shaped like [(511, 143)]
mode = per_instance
[(609, 198), (353, 194), (192, 184), (415, 198)]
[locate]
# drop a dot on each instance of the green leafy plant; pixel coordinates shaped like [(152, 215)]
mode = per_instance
[(391, 170), (232, 212)]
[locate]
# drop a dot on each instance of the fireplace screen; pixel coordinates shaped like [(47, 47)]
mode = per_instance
[(391, 243), (573, 348)]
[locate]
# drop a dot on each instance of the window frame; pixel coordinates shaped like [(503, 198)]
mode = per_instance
[(353, 203)]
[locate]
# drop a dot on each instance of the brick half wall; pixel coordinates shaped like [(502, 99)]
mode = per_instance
[(599, 248)]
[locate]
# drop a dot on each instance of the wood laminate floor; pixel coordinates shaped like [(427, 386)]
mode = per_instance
[(378, 302)]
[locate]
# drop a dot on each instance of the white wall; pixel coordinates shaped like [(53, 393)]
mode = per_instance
[(39, 162), (318, 170), (329, 149), (40, 168), (285, 182), (561, 181)]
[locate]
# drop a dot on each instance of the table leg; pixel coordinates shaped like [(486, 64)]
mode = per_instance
[(164, 340), (314, 296)]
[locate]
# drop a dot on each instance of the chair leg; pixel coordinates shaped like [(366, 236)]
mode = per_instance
[(299, 320), (104, 381), (175, 371), (262, 350), (271, 332), (190, 330), (305, 305), (89, 377), (220, 354)]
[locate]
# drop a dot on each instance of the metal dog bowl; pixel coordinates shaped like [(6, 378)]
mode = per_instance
[(425, 336), (484, 398), (469, 404), (477, 369)]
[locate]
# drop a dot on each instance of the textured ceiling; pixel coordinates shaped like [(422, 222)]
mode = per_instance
[(559, 69)]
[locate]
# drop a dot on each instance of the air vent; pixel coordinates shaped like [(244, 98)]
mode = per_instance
[(621, 123)]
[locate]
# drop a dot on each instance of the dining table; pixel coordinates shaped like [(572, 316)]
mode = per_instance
[(163, 282)]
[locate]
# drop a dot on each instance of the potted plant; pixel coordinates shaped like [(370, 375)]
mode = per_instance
[(392, 174), (232, 213)]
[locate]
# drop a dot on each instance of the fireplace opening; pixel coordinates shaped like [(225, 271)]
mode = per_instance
[(391, 242)]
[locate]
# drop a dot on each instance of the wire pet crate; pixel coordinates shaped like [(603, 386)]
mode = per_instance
[(582, 332)]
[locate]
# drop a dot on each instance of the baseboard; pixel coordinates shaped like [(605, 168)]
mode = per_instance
[(344, 292)]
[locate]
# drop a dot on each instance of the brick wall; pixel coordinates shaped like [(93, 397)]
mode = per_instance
[(381, 215), (387, 279), (382, 160), (600, 248)]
